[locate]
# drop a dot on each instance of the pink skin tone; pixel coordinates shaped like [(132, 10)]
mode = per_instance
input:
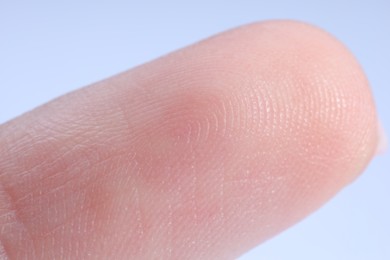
[(201, 154)]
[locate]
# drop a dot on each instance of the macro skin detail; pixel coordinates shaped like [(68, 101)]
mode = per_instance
[(222, 144)]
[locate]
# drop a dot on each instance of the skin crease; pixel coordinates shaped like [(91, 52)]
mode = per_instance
[(201, 154)]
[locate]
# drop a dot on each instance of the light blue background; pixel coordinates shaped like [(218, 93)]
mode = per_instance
[(49, 48)]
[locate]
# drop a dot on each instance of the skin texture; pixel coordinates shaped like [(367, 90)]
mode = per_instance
[(201, 154)]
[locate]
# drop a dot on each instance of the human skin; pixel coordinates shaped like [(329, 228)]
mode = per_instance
[(201, 154)]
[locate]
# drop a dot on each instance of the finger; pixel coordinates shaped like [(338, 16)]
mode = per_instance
[(201, 154)]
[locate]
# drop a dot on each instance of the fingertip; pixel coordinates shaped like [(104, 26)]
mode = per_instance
[(207, 151)]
